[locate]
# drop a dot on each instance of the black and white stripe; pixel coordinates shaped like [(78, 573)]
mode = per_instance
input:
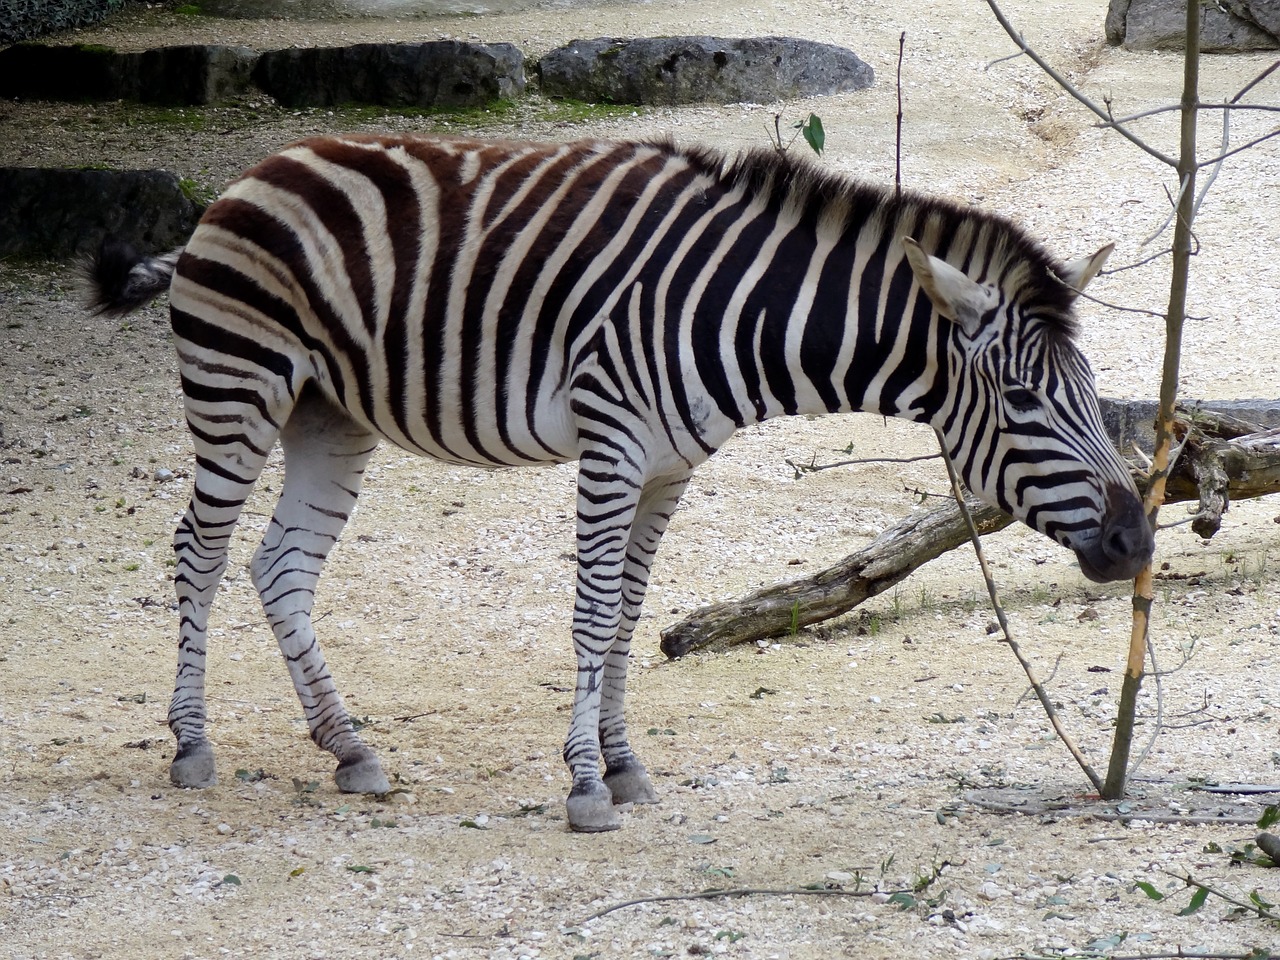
[(625, 305)]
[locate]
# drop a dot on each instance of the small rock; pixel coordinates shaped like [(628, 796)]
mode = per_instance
[(162, 475)]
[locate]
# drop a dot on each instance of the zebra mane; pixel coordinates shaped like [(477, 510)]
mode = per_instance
[(782, 179)]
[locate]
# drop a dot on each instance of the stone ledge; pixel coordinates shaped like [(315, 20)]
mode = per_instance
[(438, 73), (48, 212), (183, 75), (446, 74)]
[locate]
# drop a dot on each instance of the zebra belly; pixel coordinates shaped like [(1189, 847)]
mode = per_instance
[(474, 440)]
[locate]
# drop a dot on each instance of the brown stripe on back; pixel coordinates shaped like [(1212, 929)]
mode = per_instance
[(331, 206)]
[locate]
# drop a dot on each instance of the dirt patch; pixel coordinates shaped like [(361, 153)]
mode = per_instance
[(849, 758)]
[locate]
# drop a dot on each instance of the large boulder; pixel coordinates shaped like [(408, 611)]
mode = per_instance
[(193, 75), (58, 212), (442, 73), (1226, 27), (672, 70)]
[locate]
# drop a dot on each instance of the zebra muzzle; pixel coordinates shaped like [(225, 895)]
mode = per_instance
[(1125, 543)]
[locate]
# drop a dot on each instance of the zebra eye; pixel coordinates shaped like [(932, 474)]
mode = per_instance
[(1021, 399)]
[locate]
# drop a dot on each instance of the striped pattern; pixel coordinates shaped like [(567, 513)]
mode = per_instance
[(626, 305)]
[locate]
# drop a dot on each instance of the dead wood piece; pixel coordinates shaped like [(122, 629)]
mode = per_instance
[(1215, 471), (1132, 422), (1210, 470), (785, 608)]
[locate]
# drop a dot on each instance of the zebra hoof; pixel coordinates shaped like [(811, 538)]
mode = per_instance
[(631, 784), (193, 766), (590, 808), (361, 773)]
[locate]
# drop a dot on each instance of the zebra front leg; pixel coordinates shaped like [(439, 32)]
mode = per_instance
[(606, 509), (325, 455), (625, 775)]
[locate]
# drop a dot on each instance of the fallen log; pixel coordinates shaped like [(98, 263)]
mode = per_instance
[(1224, 457)]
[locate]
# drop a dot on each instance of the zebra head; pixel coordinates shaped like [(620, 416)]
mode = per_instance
[(1022, 424)]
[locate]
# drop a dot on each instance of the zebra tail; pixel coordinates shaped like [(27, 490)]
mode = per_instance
[(117, 279)]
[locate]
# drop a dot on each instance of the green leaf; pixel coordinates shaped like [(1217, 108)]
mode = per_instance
[(1270, 817), (903, 900), (1259, 902), (1197, 901), (1149, 889), (1106, 943), (231, 880), (296, 872), (472, 825), (359, 868), (814, 134)]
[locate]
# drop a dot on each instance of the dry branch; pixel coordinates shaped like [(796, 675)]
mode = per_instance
[(1224, 458)]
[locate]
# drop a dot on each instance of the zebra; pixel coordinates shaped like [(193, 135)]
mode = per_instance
[(628, 305)]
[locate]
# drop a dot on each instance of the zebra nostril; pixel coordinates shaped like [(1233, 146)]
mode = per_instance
[(1120, 543)]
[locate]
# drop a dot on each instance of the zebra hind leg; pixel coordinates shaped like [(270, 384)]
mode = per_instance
[(231, 445), (325, 453), (625, 775)]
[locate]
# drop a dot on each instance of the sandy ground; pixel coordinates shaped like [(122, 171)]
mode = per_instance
[(847, 757)]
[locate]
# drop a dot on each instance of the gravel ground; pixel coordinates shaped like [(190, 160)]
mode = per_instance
[(848, 757)]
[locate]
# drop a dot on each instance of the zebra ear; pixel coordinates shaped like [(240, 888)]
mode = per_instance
[(954, 295), (1078, 273)]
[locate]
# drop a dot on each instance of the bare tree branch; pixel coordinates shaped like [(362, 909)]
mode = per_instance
[(1041, 694), (1170, 108), (1226, 142), (1255, 81), (1139, 263), (1066, 85), (1231, 153)]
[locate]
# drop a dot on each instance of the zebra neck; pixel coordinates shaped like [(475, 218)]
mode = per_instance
[(870, 344)]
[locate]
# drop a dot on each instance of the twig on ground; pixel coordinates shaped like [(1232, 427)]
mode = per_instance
[(415, 716), (739, 892), (1179, 955), (813, 466), (1191, 881)]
